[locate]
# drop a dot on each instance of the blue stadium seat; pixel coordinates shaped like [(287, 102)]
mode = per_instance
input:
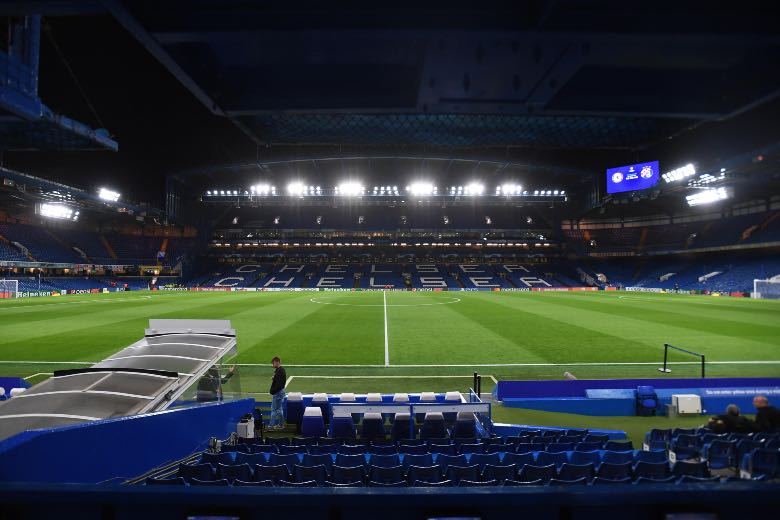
[(587, 446), (402, 427), (417, 460), (617, 457), (287, 483), (720, 454), (373, 426), (479, 483), (352, 449), (471, 448), (425, 397), (313, 423), (575, 482), (219, 483), (585, 457), (525, 447), (356, 483), (344, 475), (315, 460), (260, 483), (452, 398), (611, 471), (619, 446), (304, 441), (523, 483), (386, 475), (557, 447), (216, 458), (385, 461), (417, 449), (745, 446), (544, 458), (650, 456), (458, 473), (500, 448), (582, 432), (499, 473), (383, 450), (199, 471), (176, 481), (656, 470), (530, 473), (600, 480), (445, 460), (440, 483), (684, 446), (326, 449), (649, 480), (695, 469), (423, 474), (440, 447), (482, 459), (576, 471), (293, 449), (289, 460), (273, 473), (233, 472), (350, 461), (760, 463), (657, 435), (519, 459), (318, 474), (320, 400), (433, 426), (601, 439), (398, 483)]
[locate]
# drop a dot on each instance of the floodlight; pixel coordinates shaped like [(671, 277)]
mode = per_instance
[(109, 195), (58, 211), (296, 189), (536, 192), (422, 188), (261, 189), (474, 189), (351, 189), (510, 189), (680, 173), (208, 192), (707, 196)]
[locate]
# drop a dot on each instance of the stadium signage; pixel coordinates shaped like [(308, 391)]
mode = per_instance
[(33, 294), (646, 289)]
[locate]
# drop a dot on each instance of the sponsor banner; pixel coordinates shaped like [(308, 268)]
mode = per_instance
[(610, 288), (163, 288), (646, 289), (738, 295), (516, 289), (33, 294), (496, 289), (736, 392), (583, 288), (550, 289)]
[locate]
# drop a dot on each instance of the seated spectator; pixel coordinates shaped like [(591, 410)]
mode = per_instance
[(767, 416), (731, 421)]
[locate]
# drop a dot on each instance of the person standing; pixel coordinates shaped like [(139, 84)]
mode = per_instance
[(277, 394), (767, 416)]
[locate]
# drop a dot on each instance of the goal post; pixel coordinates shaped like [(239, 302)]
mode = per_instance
[(9, 289), (767, 289), (666, 368)]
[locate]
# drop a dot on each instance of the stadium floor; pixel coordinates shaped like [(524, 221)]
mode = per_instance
[(342, 341)]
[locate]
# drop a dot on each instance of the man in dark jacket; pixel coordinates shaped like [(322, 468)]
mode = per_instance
[(767, 416), (277, 394)]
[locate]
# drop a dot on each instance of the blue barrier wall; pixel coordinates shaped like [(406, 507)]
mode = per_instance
[(124, 447), (579, 405), (576, 388)]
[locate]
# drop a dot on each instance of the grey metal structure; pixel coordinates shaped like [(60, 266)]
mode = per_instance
[(147, 376)]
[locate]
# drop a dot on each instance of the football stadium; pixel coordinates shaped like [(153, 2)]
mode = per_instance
[(464, 260)]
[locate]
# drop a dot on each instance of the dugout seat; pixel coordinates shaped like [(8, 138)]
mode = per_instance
[(199, 471), (433, 426), (320, 400), (646, 401), (343, 427), (348, 397), (402, 427), (397, 399), (465, 426), (452, 398), (425, 397), (373, 426), (313, 424), (294, 414)]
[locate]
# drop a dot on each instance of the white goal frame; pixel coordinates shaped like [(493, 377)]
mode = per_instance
[(9, 289), (766, 289)]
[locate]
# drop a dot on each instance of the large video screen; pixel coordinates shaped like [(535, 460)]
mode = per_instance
[(632, 177)]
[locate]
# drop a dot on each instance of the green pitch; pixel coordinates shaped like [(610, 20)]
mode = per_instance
[(402, 341)]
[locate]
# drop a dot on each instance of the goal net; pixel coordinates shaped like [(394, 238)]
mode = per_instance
[(767, 289), (9, 289)]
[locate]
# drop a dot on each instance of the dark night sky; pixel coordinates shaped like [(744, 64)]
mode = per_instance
[(159, 125)]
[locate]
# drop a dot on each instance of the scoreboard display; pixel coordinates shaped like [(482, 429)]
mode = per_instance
[(632, 177)]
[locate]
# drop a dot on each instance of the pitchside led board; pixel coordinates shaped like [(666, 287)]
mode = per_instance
[(633, 177)]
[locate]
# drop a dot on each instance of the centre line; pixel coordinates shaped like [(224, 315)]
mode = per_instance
[(387, 351)]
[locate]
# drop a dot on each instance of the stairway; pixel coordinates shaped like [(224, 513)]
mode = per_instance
[(108, 247)]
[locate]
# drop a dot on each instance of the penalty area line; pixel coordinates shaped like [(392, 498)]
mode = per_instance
[(39, 374)]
